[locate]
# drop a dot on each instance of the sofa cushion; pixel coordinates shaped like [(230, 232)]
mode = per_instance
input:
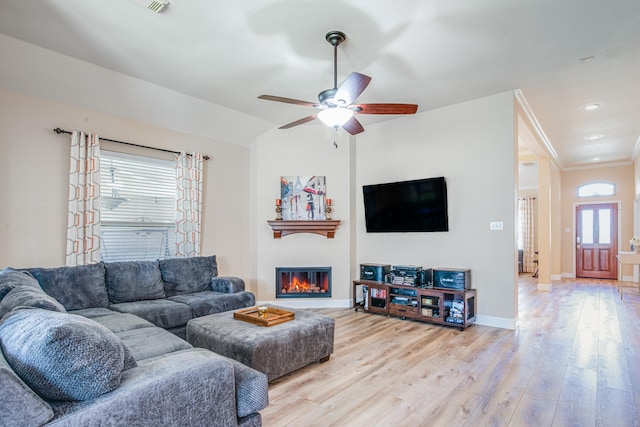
[(26, 296), (63, 356), (74, 287), (188, 275), (209, 302), (133, 281), (251, 386), (251, 389), (11, 278), (92, 313), (161, 312), (119, 322), (145, 343), (19, 405)]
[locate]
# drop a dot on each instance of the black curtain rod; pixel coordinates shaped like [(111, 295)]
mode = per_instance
[(59, 131)]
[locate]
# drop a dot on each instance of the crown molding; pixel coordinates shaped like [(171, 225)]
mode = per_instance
[(526, 109)]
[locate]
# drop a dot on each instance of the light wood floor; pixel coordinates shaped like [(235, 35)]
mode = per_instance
[(574, 360)]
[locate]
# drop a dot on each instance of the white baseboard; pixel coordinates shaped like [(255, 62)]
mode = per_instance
[(568, 275), (544, 286), (556, 277), (496, 322), (310, 303)]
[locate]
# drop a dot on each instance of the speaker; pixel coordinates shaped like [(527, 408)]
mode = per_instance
[(451, 278), (374, 272), (426, 277)]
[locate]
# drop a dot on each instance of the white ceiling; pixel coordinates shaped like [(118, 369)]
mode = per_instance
[(429, 52)]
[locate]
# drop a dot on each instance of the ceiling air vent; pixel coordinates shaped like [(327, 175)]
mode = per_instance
[(157, 6), (154, 5)]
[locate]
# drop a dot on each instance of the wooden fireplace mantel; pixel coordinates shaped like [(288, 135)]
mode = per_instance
[(283, 228)]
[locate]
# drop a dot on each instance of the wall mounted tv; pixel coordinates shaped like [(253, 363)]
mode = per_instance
[(406, 206)]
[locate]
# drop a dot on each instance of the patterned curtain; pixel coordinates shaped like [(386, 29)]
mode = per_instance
[(188, 203), (83, 220), (527, 210)]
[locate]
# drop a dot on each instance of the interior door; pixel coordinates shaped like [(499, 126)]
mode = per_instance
[(597, 241)]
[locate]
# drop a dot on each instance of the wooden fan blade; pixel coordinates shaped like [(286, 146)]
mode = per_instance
[(351, 88), (353, 126), (299, 121), (288, 100), (385, 108)]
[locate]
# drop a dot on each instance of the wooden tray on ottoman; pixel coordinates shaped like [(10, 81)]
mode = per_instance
[(274, 316)]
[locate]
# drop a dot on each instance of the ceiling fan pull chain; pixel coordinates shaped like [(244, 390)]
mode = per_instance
[(335, 137)]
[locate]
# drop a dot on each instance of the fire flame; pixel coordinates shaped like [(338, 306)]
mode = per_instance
[(298, 285)]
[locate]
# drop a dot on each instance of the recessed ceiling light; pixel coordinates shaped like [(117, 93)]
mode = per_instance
[(593, 137), (591, 107), (596, 159)]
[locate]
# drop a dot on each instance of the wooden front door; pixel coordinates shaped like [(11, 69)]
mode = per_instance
[(597, 241)]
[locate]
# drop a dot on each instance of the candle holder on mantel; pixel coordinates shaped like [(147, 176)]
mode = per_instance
[(328, 209), (279, 209)]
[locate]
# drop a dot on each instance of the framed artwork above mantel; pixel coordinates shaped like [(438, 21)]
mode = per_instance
[(303, 207), (303, 198)]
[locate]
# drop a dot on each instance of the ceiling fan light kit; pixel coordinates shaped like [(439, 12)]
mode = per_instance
[(337, 103), (335, 117)]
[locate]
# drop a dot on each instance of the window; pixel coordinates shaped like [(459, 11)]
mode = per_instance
[(138, 199), (597, 189)]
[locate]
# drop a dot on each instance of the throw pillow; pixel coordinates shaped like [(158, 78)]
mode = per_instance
[(28, 297), (11, 278), (130, 281), (62, 356), (76, 287), (188, 275)]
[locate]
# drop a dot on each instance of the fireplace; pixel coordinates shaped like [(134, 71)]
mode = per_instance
[(303, 282)]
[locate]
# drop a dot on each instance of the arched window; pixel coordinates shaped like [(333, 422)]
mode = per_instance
[(597, 189)]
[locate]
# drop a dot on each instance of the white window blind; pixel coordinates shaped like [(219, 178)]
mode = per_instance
[(138, 202)]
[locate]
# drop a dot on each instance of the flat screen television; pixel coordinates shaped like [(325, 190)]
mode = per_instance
[(407, 206)]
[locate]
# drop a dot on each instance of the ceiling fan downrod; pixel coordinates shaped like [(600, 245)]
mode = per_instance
[(335, 38)]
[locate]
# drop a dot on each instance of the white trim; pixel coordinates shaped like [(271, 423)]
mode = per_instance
[(636, 150), (522, 101), (497, 322), (556, 277), (569, 275), (598, 165), (494, 322), (310, 303), (544, 286)]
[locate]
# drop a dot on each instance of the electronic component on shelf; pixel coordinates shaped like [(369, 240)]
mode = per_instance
[(374, 272), (452, 278)]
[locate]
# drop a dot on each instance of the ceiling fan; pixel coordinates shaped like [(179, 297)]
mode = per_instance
[(337, 104)]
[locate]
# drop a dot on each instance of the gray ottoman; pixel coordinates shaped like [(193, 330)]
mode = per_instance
[(274, 350)]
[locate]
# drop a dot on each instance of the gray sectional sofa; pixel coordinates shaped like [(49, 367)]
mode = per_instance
[(103, 344)]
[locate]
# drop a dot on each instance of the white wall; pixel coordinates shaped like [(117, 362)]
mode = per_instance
[(32, 70), (304, 150), (472, 146), (33, 176)]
